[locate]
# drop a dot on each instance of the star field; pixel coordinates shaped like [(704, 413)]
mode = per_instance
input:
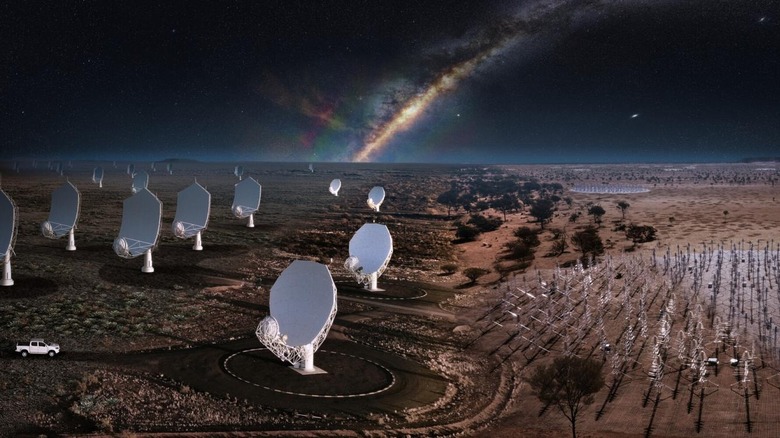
[(515, 82)]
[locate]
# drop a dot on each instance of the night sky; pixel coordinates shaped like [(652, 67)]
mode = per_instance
[(541, 81)]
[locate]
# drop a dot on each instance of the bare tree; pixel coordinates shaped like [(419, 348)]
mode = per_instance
[(568, 383), (623, 206)]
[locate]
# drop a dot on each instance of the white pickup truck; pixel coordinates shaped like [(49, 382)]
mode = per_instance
[(38, 346)]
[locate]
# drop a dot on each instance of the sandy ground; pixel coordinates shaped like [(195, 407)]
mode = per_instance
[(108, 315)]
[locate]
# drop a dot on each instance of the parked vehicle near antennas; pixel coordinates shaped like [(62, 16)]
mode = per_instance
[(38, 346)]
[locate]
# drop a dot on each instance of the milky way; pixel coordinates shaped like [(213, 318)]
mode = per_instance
[(532, 19)]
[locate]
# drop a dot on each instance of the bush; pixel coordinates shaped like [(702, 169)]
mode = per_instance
[(640, 233), (485, 224), (467, 233), (449, 268), (519, 250), (474, 273), (527, 236)]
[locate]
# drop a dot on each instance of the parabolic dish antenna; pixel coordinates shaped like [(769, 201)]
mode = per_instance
[(140, 227), (131, 169), (169, 168), (246, 200), (239, 172), (140, 181), (370, 250), (8, 221), (303, 306), (65, 203), (375, 197), (335, 186), (192, 213), (97, 176)]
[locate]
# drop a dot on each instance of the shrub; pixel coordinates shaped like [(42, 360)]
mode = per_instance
[(449, 268), (467, 233), (485, 224), (527, 236), (474, 273)]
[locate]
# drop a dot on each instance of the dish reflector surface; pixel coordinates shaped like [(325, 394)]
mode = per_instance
[(246, 200), (7, 223), (375, 197), (64, 211), (373, 247), (302, 301), (140, 224), (193, 205), (97, 175), (140, 181), (335, 186), (238, 171)]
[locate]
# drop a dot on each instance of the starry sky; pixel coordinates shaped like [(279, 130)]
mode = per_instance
[(540, 81)]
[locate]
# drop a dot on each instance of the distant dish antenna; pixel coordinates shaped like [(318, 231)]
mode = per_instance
[(153, 167), (335, 186), (311, 167), (370, 250), (140, 227), (192, 213), (65, 203), (8, 220), (97, 176), (239, 172), (169, 168), (303, 306), (140, 181), (375, 197), (247, 200), (131, 169)]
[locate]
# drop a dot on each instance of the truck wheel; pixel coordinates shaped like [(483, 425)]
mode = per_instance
[(24, 353), (52, 353)]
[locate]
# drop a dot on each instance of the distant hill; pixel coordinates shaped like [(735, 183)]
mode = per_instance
[(178, 160), (760, 160)]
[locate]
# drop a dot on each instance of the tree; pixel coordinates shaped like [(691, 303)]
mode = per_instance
[(640, 233), (474, 273), (588, 241), (597, 212), (568, 383), (623, 206), (449, 198), (542, 209), (506, 203)]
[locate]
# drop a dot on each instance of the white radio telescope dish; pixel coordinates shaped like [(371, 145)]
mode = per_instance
[(335, 186), (8, 221), (65, 203), (238, 171), (97, 176), (375, 197), (303, 306), (140, 227), (140, 181), (169, 168), (193, 205), (131, 169), (246, 200), (370, 250)]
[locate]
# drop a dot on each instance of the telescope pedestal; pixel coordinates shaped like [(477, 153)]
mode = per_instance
[(147, 262), (251, 221), (198, 243), (71, 241), (7, 280), (306, 366), (371, 286)]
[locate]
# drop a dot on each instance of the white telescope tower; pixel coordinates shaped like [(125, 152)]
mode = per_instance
[(303, 307)]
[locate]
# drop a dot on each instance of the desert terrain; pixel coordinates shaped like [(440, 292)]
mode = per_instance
[(436, 353)]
